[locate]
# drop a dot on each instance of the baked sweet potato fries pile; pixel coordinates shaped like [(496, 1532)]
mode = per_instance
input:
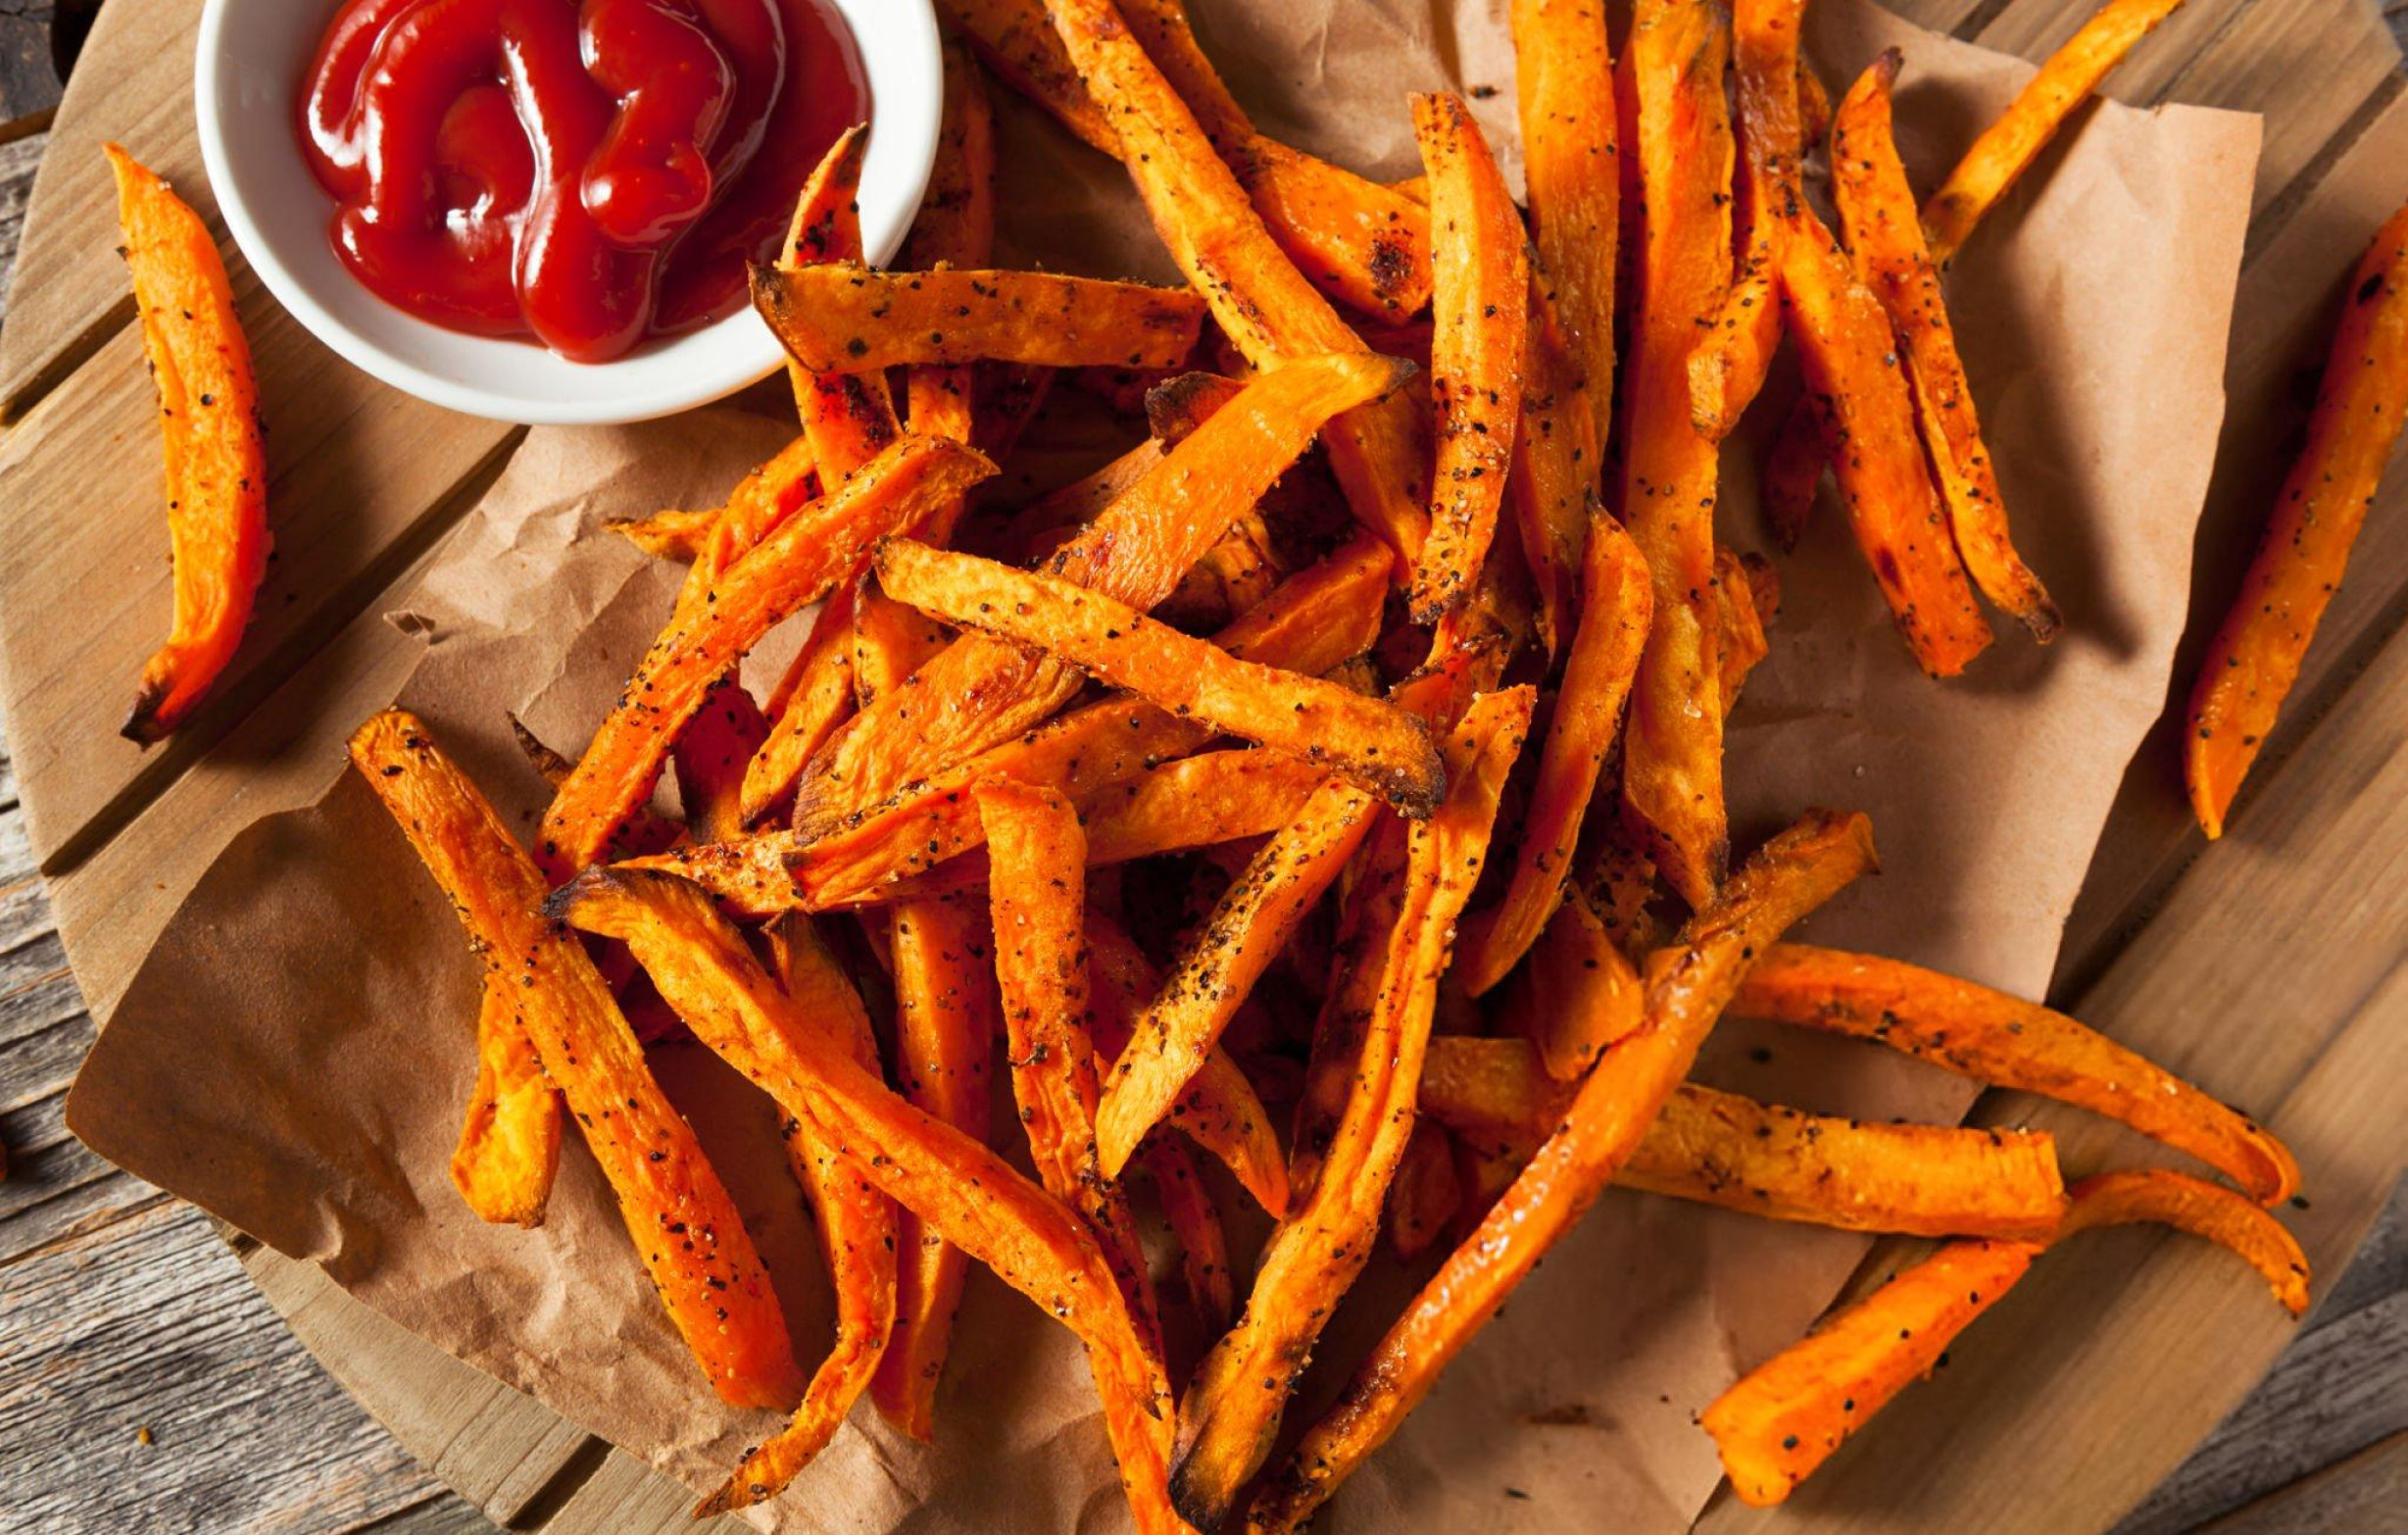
[(1318, 805)]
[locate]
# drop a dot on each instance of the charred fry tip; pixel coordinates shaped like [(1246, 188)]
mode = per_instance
[(143, 725)]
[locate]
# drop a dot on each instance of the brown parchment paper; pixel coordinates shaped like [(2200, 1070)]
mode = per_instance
[(293, 1053)]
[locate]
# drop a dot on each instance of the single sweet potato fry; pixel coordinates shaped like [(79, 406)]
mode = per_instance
[(1233, 1405), (1557, 462), (510, 1139), (1688, 987), (856, 1232), (1852, 365), (1368, 742), (1876, 209), (848, 417), (1266, 306), (682, 1222), (1578, 995), (1615, 607), (1727, 370), (1991, 1037), (2008, 146), (798, 563), (1481, 303), (682, 535), (1790, 1413), (1746, 593), (966, 1193), (1567, 94), (979, 693), (1037, 901), (2255, 656), (1718, 1148), (1672, 747), (216, 465), (955, 223), (1217, 967), (945, 1015), (834, 317), (2204, 1209), (814, 699)]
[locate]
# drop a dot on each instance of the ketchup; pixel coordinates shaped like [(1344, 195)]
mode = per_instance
[(586, 172)]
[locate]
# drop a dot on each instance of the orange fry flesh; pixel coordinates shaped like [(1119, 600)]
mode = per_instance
[(1553, 487), (1037, 901), (856, 1233), (1579, 993), (510, 1139), (979, 693), (1266, 306), (217, 464), (2202, 1209), (1671, 753), (1717, 1147), (1566, 91), (1368, 742), (1481, 303), (1216, 970), (695, 1250), (1792, 1412), (1688, 987), (1615, 609), (1999, 1039), (1727, 370), (969, 1193), (2008, 146), (842, 316), (946, 1014), (2257, 654), (1852, 367), (848, 417), (955, 223), (795, 564), (1228, 1419), (1877, 209)]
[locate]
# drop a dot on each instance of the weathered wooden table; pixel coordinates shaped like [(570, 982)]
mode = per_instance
[(147, 1384)]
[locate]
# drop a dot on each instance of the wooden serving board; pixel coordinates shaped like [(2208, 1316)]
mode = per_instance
[(2273, 967)]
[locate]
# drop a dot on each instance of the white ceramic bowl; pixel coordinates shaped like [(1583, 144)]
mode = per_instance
[(253, 57)]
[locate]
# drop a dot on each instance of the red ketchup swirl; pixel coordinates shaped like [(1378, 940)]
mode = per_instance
[(589, 172)]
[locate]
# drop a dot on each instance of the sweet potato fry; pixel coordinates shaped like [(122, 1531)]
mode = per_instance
[(835, 317), (1688, 987), (761, 500), (798, 563), (2255, 656), (1557, 459), (966, 1193), (1566, 91), (1727, 370), (1037, 902), (217, 465), (891, 640), (1746, 593), (2204, 1209), (1814, 107), (1790, 1413), (1217, 967), (1369, 743), (1482, 308), (979, 693), (1672, 751), (681, 1220), (1852, 367), (1991, 1037), (1877, 209), (1426, 1192), (682, 535), (2008, 146), (1266, 306), (946, 1015), (1596, 681), (1579, 993), (1220, 1110), (1718, 1148), (1017, 42), (710, 757), (817, 694), (1228, 1419), (1793, 470), (1318, 620), (856, 1232), (955, 223), (848, 417), (1195, 1219), (510, 1139)]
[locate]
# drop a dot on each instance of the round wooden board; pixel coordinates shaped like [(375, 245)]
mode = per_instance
[(2171, 950)]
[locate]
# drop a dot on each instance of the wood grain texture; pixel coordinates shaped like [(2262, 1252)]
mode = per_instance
[(175, 1320)]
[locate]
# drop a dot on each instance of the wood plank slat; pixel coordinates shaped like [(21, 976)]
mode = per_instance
[(2360, 1493)]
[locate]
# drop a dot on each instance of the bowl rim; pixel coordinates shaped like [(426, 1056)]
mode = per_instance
[(901, 54)]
